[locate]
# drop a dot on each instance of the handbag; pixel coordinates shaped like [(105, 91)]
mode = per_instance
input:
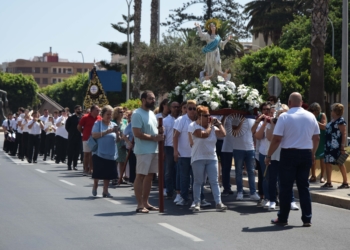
[(92, 143), (342, 158)]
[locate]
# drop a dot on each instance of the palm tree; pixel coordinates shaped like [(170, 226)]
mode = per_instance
[(137, 39), (318, 39), (154, 21)]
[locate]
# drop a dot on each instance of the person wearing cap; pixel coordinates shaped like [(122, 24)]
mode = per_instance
[(61, 138)]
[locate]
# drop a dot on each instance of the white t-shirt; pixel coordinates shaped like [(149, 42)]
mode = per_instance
[(168, 124), (264, 143), (44, 119), (297, 126), (244, 142), (19, 128), (276, 155), (36, 129), (47, 125), (6, 124), (61, 130), (202, 148), (13, 124), (181, 125), (25, 125)]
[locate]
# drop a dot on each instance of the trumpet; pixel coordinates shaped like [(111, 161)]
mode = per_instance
[(50, 129)]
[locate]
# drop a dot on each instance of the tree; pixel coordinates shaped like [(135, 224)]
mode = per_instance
[(21, 90), (154, 21), (318, 40), (137, 40), (226, 10), (291, 66)]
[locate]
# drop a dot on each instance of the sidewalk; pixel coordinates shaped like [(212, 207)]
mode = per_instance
[(332, 197)]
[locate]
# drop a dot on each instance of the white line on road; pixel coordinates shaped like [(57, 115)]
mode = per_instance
[(39, 170), (67, 182), (114, 201), (179, 231)]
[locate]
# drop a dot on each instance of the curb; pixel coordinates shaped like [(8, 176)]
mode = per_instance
[(326, 199)]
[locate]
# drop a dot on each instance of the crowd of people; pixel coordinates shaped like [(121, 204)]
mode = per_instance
[(282, 144)]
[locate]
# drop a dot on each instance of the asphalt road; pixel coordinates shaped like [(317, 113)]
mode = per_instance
[(44, 206)]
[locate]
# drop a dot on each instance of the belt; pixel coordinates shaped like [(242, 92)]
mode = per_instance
[(294, 149)]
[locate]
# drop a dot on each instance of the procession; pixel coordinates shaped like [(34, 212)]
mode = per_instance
[(209, 152)]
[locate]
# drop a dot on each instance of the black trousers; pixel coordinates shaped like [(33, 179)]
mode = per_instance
[(74, 150), (25, 136), (33, 145), (49, 145), (14, 145), (19, 142), (42, 142), (132, 166), (61, 148)]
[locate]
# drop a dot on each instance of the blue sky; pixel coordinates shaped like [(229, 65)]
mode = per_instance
[(29, 28)]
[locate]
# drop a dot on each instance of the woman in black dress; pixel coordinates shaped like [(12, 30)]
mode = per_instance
[(336, 140)]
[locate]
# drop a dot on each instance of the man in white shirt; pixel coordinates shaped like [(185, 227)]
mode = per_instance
[(20, 132), (298, 133), (14, 140), (170, 164), (61, 138), (27, 117), (44, 118), (35, 126), (6, 125)]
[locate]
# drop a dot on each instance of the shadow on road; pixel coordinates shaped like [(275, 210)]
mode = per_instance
[(270, 228)]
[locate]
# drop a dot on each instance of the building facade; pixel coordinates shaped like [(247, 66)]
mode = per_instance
[(47, 69)]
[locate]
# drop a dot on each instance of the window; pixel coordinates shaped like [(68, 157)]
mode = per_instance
[(59, 71), (54, 70), (24, 70), (85, 70), (54, 80), (45, 80), (69, 71), (46, 71), (79, 70), (37, 70), (59, 79), (37, 80), (64, 71)]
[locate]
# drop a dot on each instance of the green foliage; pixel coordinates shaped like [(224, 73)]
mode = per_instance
[(291, 66), (21, 90), (132, 104)]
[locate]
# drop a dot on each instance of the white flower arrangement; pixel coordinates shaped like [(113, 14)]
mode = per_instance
[(217, 94)]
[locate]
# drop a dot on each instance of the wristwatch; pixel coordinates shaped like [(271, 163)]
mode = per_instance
[(268, 156)]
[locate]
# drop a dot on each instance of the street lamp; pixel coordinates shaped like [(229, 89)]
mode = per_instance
[(128, 65), (82, 70), (345, 60)]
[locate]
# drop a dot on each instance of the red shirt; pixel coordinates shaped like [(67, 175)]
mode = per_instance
[(87, 122)]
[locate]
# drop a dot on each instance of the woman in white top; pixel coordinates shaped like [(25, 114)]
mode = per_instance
[(203, 157), (50, 130)]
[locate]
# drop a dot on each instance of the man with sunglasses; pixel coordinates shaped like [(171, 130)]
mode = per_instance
[(170, 164)]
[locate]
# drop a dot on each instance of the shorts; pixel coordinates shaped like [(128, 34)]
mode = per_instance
[(146, 163), (86, 148)]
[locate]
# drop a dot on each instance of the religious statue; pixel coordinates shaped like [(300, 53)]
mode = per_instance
[(3, 105), (214, 42)]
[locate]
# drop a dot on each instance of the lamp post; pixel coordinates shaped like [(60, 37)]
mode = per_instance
[(344, 60), (128, 61), (82, 70)]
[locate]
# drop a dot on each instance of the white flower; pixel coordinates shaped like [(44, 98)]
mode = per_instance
[(193, 84), (231, 85), (221, 79), (177, 90), (206, 84), (214, 105), (221, 86), (194, 91), (229, 103)]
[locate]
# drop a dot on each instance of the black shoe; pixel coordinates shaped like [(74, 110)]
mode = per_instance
[(29, 161), (63, 161), (75, 168), (52, 159), (69, 168), (169, 197), (35, 162), (44, 159), (278, 223), (226, 192), (57, 162)]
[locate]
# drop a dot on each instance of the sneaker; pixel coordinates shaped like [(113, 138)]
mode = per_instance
[(164, 192), (221, 207), (272, 205), (226, 192), (239, 196), (293, 206), (182, 202), (260, 203), (197, 207), (177, 198), (193, 205), (255, 197), (204, 203), (266, 204)]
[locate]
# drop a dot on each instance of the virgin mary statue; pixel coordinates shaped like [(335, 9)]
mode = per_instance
[(214, 42)]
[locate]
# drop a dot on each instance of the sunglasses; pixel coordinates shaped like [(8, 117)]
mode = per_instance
[(205, 115), (190, 109)]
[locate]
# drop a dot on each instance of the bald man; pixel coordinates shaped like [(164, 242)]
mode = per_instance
[(297, 132)]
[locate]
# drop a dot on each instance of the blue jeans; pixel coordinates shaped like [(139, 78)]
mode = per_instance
[(202, 168), (265, 183), (185, 171), (295, 165), (226, 164), (170, 170), (247, 157), (274, 181)]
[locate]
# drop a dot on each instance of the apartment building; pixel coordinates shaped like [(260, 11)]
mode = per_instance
[(47, 69)]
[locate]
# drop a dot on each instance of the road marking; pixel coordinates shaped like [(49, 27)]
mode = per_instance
[(39, 170), (179, 231), (67, 182), (114, 201)]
